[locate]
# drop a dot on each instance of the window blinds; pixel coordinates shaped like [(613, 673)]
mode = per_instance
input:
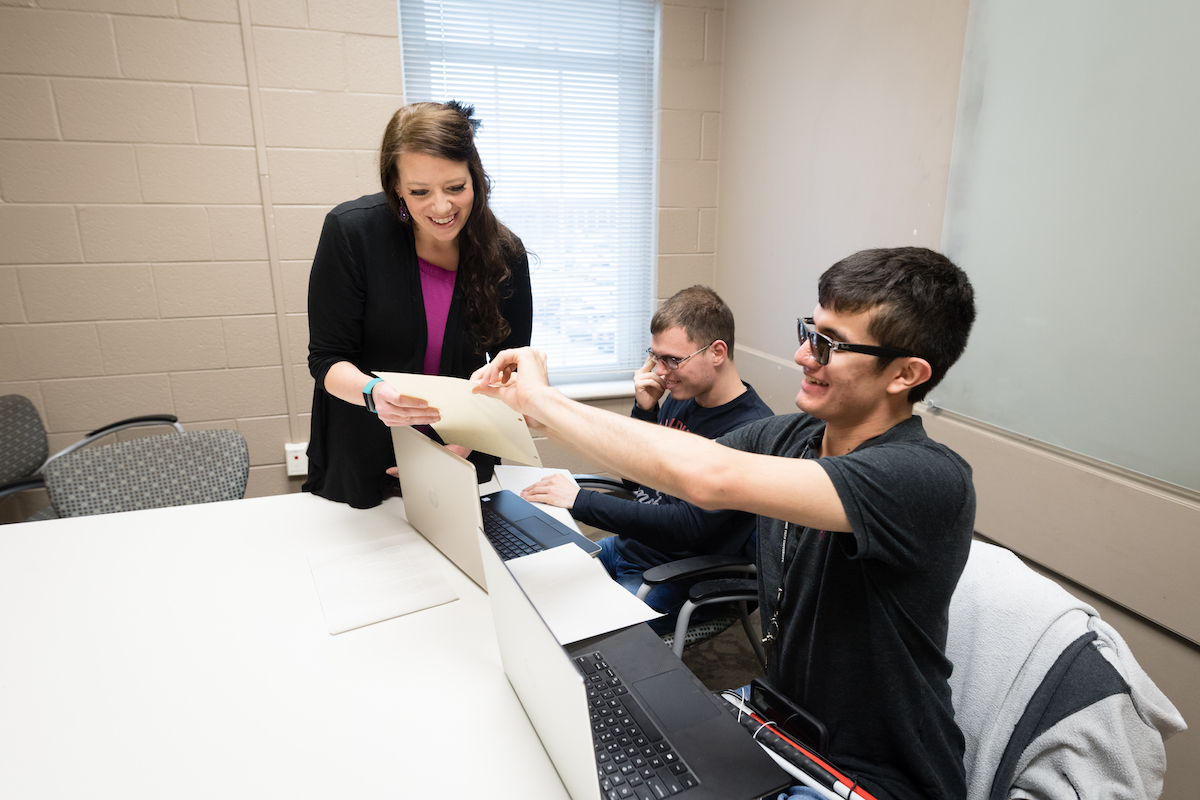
[(566, 93)]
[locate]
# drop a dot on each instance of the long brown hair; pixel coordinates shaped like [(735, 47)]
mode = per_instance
[(446, 130)]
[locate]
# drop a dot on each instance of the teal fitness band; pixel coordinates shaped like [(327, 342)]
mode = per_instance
[(370, 401)]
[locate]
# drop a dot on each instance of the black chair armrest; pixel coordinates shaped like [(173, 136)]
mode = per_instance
[(23, 485), (100, 433), (134, 422), (724, 589), (613, 486), (697, 565)]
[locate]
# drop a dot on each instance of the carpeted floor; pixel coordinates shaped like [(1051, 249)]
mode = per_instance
[(725, 661)]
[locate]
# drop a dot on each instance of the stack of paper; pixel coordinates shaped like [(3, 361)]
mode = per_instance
[(574, 594), (373, 581)]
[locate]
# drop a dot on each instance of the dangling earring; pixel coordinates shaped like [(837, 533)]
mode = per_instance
[(403, 211)]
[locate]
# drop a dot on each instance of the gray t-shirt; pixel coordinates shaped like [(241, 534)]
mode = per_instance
[(863, 618)]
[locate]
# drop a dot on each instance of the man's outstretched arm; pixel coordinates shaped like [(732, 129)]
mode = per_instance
[(683, 464)]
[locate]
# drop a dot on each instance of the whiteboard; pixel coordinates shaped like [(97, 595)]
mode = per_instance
[(1074, 206)]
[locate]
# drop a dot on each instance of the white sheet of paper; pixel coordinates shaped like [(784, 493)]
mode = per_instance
[(365, 583), (515, 478), (471, 420), (574, 594)]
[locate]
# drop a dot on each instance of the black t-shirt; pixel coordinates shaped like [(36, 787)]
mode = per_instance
[(863, 618), (660, 528)]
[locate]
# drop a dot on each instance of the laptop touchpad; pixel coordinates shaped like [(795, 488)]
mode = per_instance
[(540, 529), (675, 699)]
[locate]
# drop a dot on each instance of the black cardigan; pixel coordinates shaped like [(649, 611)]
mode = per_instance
[(365, 306)]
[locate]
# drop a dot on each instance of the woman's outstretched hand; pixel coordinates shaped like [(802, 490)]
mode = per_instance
[(396, 409)]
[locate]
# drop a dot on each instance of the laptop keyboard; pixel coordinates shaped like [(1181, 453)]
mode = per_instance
[(633, 759), (508, 541)]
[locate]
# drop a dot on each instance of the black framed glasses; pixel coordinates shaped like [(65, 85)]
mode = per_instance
[(675, 362), (822, 345)]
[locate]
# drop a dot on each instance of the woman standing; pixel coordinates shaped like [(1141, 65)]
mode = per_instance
[(421, 278)]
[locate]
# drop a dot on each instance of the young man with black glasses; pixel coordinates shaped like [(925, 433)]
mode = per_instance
[(864, 523), (689, 382)]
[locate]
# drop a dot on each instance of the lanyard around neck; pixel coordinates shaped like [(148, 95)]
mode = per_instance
[(769, 639)]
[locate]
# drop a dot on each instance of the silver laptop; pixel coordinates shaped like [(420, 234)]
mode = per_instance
[(442, 501), (713, 756)]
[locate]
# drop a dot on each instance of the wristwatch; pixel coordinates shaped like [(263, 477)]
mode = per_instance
[(368, 397)]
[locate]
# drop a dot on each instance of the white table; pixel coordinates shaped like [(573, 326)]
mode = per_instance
[(182, 653)]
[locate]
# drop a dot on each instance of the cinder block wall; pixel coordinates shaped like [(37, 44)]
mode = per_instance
[(693, 43), (165, 166)]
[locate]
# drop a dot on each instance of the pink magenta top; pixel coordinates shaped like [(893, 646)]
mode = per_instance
[(437, 286)]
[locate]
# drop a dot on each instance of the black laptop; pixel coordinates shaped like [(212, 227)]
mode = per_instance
[(619, 714)]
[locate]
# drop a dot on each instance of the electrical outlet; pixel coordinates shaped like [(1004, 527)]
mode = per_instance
[(295, 455)]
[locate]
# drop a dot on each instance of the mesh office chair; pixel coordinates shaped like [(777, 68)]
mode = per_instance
[(153, 472), (25, 449), (733, 595)]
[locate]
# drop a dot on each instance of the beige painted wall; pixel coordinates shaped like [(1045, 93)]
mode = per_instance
[(837, 126), (165, 166)]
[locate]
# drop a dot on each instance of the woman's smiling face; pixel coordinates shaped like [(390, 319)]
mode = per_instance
[(438, 193)]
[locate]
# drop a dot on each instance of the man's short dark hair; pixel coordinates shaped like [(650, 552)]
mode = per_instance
[(918, 301), (701, 313)]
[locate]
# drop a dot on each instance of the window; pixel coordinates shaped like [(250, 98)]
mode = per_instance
[(566, 93)]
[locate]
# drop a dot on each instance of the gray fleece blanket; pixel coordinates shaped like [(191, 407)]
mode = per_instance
[(1009, 627)]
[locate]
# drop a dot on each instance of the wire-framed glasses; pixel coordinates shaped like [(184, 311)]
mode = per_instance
[(675, 362)]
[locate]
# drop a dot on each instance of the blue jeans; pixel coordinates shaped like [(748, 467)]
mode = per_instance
[(666, 598)]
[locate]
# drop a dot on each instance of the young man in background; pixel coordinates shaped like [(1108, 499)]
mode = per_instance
[(689, 382)]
